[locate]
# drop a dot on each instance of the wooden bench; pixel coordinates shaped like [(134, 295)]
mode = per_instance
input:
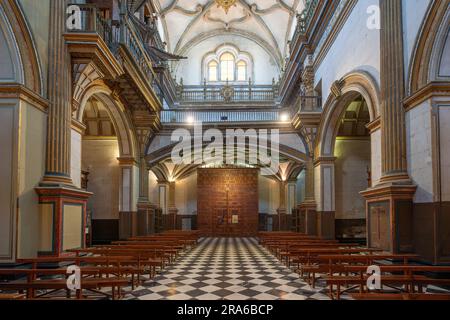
[(12, 296), (91, 279), (402, 296), (408, 281), (331, 264)]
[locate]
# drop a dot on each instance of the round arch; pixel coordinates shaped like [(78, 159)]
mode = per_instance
[(350, 86), (20, 41), (284, 152), (429, 48), (116, 110)]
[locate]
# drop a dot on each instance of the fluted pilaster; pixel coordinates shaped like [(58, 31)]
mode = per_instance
[(394, 166), (309, 181), (59, 96)]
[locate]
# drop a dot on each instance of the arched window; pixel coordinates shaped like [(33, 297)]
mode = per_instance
[(241, 71), (212, 71), (227, 67)]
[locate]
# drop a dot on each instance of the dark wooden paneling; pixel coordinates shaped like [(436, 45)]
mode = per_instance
[(105, 231), (404, 226), (379, 225), (223, 193), (351, 228)]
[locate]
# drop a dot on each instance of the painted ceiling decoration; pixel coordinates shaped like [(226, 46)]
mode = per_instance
[(268, 23), (226, 4)]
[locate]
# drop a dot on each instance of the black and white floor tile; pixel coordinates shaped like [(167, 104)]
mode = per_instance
[(227, 269)]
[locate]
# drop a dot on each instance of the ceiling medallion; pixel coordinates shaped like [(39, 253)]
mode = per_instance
[(226, 4)]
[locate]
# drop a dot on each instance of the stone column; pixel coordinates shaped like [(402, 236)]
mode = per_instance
[(60, 201), (128, 223), (282, 207), (145, 209), (394, 167), (325, 197), (172, 208), (389, 204), (308, 212), (57, 167)]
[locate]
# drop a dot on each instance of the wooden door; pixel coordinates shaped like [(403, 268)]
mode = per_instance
[(228, 202)]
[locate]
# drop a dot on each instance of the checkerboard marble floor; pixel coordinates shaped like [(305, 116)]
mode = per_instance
[(228, 269)]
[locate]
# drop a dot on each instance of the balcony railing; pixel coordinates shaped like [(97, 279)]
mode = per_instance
[(307, 104), (305, 17), (116, 33), (221, 116), (227, 93)]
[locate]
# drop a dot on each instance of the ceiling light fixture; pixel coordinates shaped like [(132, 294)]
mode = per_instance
[(226, 4)]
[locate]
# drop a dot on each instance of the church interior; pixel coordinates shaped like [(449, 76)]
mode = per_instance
[(225, 150)]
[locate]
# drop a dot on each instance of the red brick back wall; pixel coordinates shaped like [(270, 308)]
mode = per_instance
[(214, 215)]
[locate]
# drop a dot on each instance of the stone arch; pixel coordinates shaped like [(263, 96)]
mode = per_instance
[(431, 42), (343, 92), (26, 69), (116, 110), (164, 153)]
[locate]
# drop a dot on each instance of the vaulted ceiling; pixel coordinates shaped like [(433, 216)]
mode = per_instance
[(266, 22)]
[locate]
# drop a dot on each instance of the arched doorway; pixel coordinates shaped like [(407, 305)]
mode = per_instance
[(104, 163), (352, 170), (101, 171)]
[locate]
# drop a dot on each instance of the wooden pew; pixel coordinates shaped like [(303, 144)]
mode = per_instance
[(336, 263), (91, 279), (406, 276), (401, 296)]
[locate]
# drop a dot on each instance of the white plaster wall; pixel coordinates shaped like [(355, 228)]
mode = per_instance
[(293, 141), (324, 190), (413, 15), (37, 14), (269, 196), (8, 137), (159, 142), (75, 158), (376, 156), (444, 118), (317, 188), (444, 68), (153, 192), (7, 68), (355, 48), (265, 67), (31, 171), (186, 195), (135, 190), (100, 159), (353, 159), (419, 152), (301, 180)]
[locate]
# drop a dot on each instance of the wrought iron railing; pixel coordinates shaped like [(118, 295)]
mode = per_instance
[(116, 33), (305, 17), (180, 116), (227, 93)]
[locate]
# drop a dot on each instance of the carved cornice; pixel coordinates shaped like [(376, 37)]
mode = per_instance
[(78, 126), (431, 90), (374, 125), (127, 161), (324, 160), (390, 191), (91, 46), (19, 91)]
